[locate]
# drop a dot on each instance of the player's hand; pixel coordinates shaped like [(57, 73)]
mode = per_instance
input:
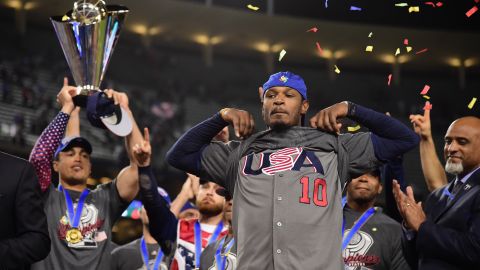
[(191, 186), (65, 96), (422, 125), (327, 118), (119, 98), (142, 153), (409, 209), (242, 121)]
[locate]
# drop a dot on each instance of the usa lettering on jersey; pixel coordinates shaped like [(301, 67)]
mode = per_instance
[(286, 159)]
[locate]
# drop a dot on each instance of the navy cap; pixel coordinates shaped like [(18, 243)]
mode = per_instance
[(68, 142), (288, 79), (103, 113)]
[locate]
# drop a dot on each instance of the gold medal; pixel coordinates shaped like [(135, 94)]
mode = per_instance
[(74, 236)]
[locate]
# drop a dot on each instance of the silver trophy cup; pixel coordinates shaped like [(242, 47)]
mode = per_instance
[(88, 35)]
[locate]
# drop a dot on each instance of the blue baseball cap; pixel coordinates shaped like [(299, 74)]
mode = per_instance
[(288, 79), (68, 142)]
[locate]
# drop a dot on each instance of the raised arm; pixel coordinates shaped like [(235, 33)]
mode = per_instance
[(42, 153), (432, 168), (127, 179), (390, 138), (162, 222), (186, 153)]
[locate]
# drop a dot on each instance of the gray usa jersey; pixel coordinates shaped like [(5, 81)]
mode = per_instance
[(287, 194)]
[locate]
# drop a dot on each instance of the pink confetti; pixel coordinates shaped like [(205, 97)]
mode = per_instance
[(439, 4), (422, 51), (430, 3), (320, 51), (425, 89), (471, 11), (405, 41), (427, 106), (314, 29), (389, 79)]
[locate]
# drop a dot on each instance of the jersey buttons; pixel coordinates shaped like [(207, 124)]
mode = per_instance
[(279, 251), (279, 198), (279, 224)]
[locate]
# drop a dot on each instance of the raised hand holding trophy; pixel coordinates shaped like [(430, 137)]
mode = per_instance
[(88, 35)]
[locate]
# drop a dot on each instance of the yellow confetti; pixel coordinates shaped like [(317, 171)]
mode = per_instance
[(401, 5), (413, 9), (282, 54), (397, 52), (254, 8), (369, 49), (355, 128), (337, 70), (65, 18), (370, 35), (472, 103), (426, 97), (409, 48)]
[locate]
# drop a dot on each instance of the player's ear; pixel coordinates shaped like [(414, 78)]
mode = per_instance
[(55, 165), (380, 188), (260, 93), (305, 106)]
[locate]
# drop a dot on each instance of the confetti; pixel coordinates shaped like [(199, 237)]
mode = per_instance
[(430, 3), (405, 41), (425, 89), (409, 49), (389, 79), (353, 129), (353, 8), (326, 3), (472, 103), (439, 4), (369, 49), (401, 5), (337, 70), (427, 106), (320, 51), (422, 51), (397, 52), (370, 35), (471, 11), (282, 54), (254, 8), (413, 9), (426, 97), (314, 29)]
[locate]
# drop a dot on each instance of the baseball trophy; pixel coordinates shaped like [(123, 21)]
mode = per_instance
[(88, 35)]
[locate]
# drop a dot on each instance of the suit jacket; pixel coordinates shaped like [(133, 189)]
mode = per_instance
[(450, 237), (24, 235)]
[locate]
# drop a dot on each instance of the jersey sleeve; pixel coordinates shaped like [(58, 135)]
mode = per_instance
[(116, 204), (359, 155), (214, 161)]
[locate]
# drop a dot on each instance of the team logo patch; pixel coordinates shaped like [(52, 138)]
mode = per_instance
[(283, 79)]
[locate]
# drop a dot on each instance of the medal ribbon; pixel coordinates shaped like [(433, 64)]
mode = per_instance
[(74, 216), (144, 250), (198, 240), (356, 226), (218, 254)]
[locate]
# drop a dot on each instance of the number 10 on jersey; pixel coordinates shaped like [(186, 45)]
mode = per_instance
[(319, 195)]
